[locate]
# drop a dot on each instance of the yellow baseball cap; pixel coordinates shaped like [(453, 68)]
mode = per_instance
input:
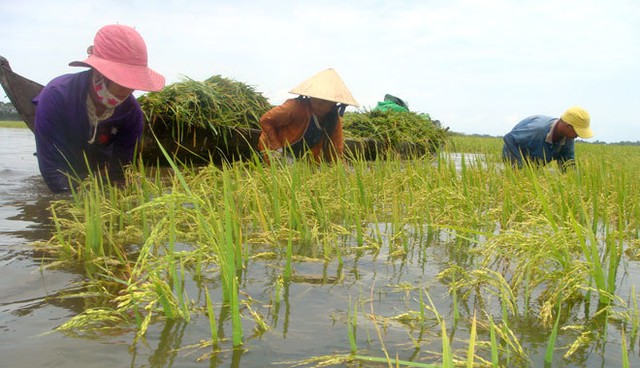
[(579, 119)]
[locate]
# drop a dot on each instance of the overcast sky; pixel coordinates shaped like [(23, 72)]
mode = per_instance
[(477, 66)]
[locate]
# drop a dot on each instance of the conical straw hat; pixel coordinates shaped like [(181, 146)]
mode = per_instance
[(326, 85)]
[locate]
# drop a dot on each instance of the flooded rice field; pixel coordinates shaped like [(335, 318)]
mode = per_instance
[(393, 304)]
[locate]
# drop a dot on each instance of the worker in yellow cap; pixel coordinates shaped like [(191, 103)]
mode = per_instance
[(541, 139)]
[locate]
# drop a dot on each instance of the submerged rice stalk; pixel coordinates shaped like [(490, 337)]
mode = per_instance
[(352, 327), (232, 249)]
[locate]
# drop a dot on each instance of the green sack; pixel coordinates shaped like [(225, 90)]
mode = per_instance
[(392, 103)]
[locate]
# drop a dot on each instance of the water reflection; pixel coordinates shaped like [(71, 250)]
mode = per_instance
[(33, 299), (31, 220)]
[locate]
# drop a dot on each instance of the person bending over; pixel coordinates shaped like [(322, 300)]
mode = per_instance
[(540, 139), (310, 123), (90, 121)]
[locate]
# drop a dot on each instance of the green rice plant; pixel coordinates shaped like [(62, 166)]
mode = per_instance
[(279, 287), (516, 244), (422, 305), (357, 221), (232, 254), (548, 357), (589, 245), (165, 298), (625, 353), (176, 277), (352, 328), (228, 250), (288, 272), (472, 343), (447, 354), (613, 252), (635, 314), (490, 281), (456, 309), (297, 216), (61, 240), (144, 196), (495, 361), (275, 199), (542, 197), (93, 223), (505, 329), (317, 205)]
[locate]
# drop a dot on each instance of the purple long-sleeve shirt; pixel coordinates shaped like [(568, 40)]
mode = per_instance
[(62, 132)]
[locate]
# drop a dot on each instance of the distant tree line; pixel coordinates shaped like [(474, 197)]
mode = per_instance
[(8, 112), (621, 143)]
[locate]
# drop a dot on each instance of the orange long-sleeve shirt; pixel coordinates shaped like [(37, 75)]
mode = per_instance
[(286, 124)]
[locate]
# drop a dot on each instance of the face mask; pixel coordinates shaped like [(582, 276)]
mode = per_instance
[(104, 96)]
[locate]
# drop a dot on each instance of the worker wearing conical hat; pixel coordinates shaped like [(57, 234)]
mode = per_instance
[(310, 123)]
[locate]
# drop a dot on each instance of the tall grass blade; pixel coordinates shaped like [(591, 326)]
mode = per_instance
[(471, 351), (548, 356), (212, 317)]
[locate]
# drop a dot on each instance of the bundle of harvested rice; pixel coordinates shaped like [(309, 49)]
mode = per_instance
[(394, 128), (216, 101)]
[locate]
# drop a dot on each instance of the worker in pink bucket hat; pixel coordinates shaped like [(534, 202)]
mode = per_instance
[(90, 121)]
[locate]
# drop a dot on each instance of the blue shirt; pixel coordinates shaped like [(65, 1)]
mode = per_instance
[(63, 132), (530, 140)]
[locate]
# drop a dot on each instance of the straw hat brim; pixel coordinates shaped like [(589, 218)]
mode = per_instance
[(326, 85)]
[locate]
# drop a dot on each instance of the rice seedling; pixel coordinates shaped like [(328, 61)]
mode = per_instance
[(548, 357), (472, 343), (494, 344), (635, 314), (352, 328), (625, 353), (288, 271)]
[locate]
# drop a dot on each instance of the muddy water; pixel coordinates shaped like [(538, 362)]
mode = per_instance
[(311, 319), (26, 314)]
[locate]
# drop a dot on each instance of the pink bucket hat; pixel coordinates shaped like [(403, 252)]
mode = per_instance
[(120, 54)]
